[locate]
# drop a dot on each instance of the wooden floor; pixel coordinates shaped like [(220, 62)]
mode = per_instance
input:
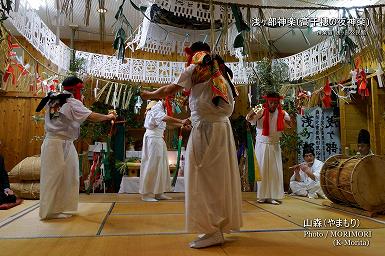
[(115, 224)]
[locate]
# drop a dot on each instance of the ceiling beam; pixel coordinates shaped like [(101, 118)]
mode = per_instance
[(288, 7)]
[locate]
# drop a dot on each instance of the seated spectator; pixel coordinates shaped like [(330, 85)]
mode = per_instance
[(6, 194), (363, 143), (305, 180)]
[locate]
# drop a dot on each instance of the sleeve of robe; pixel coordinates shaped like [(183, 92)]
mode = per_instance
[(155, 116), (184, 79), (286, 116), (316, 168), (75, 110), (253, 121)]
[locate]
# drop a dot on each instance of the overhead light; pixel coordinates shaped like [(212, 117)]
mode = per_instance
[(102, 10)]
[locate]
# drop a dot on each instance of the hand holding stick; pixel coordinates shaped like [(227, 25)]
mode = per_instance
[(299, 165)]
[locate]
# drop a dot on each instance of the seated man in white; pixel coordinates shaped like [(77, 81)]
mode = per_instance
[(305, 180)]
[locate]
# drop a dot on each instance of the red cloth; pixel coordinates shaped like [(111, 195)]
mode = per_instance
[(362, 83), (76, 89), (327, 99), (266, 116), (190, 55), (168, 106)]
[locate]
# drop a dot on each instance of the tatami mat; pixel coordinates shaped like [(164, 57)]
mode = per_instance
[(148, 245), (134, 227), (240, 244), (378, 217), (4, 214), (171, 223), (99, 197), (144, 224), (298, 211), (149, 207), (259, 221), (163, 207), (293, 243), (86, 222)]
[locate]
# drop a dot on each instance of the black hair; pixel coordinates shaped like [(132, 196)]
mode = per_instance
[(71, 81), (272, 94), (363, 137), (307, 149), (200, 46)]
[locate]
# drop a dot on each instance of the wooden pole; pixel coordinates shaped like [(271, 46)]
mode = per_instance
[(212, 27)]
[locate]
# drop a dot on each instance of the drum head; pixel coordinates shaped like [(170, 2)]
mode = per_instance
[(368, 183)]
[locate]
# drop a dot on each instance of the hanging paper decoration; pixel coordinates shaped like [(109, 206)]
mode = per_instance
[(138, 105), (114, 96), (94, 173), (302, 99), (359, 77), (118, 99), (128, 98), (175, 108), (10, 59), (348, 90), (362, 83), (108, 94), (379, 75), (53, 86), (373, 34), (9, 71), (181, 99), (327, 99), (354, 77), (15, 69), (96, 89), (101, 91)]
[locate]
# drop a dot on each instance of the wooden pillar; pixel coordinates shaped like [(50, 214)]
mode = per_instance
[(343, 124), (375, 119)]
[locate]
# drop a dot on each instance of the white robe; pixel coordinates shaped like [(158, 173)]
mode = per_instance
[(154, 168), (213, 188), (59, 175), (306, 186), (269, 158)]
